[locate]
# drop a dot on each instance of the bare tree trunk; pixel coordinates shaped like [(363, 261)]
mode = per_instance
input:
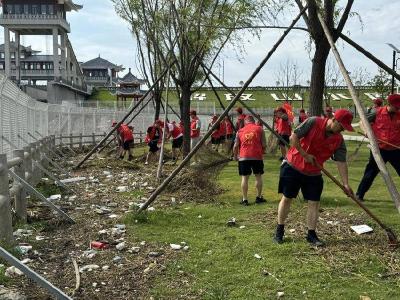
[(157, 100), (185, 110), (317, 84)]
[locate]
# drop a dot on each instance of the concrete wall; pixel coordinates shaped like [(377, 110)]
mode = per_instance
[(35, 93), (57, 93)]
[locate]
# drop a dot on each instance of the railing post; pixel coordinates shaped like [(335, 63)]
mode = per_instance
[(93, 139), (81, 141), (20, 196), (140, 134), (6, 230), (36, 173)]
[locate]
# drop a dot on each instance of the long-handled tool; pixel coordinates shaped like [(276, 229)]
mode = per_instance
[(393, 243), (379, 140)]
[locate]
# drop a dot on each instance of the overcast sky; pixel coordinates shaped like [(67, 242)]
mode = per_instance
[(96, 29)]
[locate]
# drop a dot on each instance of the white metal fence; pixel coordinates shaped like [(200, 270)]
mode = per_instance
[(22, 115)]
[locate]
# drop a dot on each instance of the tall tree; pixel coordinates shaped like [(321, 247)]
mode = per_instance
[(335, 17), (192, 31)]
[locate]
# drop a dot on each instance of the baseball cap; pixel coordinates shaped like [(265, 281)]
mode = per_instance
[(344, 117), (394, 100)]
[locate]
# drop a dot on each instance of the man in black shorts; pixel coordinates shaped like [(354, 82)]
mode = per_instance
[(249, 150), (316, 140), (175, 132)]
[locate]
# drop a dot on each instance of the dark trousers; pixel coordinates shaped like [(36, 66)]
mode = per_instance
[(371, 170)]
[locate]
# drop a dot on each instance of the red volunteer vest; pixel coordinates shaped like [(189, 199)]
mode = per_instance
[(283, 127), (229, 128), (125, 133), (222, 129), (216, 133), (193, 131), (386, 128), (150, 135), (317, 144), (176, 131), (250, 142)]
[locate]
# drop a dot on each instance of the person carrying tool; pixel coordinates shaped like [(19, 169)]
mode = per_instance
[(229, 134), (125, 140), (153, 138), (248, 150), (176, 133), (283, 128), (312, 143), (385, 123)]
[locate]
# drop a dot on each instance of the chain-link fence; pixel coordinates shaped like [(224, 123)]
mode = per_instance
[(20, 116)]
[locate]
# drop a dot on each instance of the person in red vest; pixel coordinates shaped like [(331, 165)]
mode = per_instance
[(216, 134), (302, 116), (240, 118), (249, 148), (385, 123), (222, 133), (153, 138), (378, 102), (195, 127), (229, 134), (176, 133), (125, 140), (283, 128), (312, 143)]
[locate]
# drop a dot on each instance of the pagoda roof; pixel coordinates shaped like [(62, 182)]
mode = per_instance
[(13, 47), (100, 63), (130, 78)]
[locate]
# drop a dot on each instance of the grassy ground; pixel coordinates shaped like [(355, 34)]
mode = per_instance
[(220, 262)]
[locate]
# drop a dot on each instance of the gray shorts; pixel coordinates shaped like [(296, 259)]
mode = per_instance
[(194, 142)]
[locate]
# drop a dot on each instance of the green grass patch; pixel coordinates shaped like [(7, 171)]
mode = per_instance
[(220, 262)]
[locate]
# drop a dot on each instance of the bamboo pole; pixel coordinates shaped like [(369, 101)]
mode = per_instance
[(165, 183), (124, 118), (372, 140), (164, 135)]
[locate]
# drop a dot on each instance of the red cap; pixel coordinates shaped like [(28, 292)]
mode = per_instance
[(394, 100), (239, 110), (192, 112), (344, 117), (114, 123), (378, 102)]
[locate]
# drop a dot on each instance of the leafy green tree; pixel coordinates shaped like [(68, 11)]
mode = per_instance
[(381, 82)]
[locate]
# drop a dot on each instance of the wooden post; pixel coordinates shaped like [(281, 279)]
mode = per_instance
[(370, 133), (20, 196), (6, 230), (141, 134), (71, 141), (93, 139)]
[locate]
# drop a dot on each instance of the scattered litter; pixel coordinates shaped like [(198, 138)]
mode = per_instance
[(280, 294), (154, 254), (99, 245), (23, 249), (103, 211), (94, 284), (242, 227), (257, 256), (151, 209), (26, 261), (113, 216), (71, 198), (22, 233), (13, 271), (199, 216), (117, 259), (360, 229), (106, 173), (292, 230), (90, 253), (120, 246), (88, 268), (54, 197), (362, 297), (122, 189), (173, 200), (120, 226), (175, 246), (135, 250), (142, 243), (105, 268), (102, 232), (334, 223), (72, 180), (231, 222), (186, 248), (112, 204)]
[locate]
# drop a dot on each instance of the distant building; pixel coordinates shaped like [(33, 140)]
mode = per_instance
[(39, 17), (129, 87), (99, 72)]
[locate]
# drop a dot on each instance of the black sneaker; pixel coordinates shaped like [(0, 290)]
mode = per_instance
[(314, 240), (130, 158), (260, 200), (278, 238), (281, 158), (244, 202), (359, 198)]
